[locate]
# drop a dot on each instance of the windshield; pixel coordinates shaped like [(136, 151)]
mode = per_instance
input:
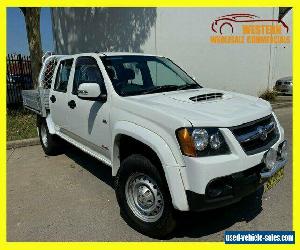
[(137, 75)]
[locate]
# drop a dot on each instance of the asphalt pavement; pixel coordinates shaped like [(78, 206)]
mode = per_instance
[(69, 197)]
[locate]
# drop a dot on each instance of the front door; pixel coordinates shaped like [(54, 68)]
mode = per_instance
[(88, 120), (58, 94)]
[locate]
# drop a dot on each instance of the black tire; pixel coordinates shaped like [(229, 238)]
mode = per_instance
[(52, 146), (165, 224)]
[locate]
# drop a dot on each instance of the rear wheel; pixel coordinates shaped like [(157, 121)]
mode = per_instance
[(49, 142), (144, 198)]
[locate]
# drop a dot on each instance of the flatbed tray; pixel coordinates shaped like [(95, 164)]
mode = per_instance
[(36, 100)]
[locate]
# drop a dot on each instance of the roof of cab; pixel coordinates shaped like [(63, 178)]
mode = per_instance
[(101, 54), (125, 54)]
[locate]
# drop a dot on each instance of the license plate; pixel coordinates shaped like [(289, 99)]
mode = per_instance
[(274, 180)]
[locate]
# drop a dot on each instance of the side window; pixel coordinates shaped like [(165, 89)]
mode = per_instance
[(62, 76), (87, 71)]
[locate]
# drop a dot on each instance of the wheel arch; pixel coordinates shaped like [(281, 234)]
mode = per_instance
[(140, 134), (151, 144), (224, 24), (49, 122)]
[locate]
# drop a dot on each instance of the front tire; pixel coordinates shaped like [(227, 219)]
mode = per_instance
[(144, 198), (49, 142)]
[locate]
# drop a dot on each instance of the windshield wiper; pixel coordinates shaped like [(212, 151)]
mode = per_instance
[(160, 88), (190, 86)]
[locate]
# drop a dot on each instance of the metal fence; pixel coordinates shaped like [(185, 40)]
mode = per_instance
[(18, 77)]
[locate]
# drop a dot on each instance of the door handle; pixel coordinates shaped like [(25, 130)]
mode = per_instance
[(52, 98), (72, 104)]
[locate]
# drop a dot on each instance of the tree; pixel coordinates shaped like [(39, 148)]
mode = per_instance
[(32, 21)]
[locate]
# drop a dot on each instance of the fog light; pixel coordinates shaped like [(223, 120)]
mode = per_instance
[(283, 150), (270, 158)]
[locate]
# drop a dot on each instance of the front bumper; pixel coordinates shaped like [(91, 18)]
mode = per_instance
[(229, 189)]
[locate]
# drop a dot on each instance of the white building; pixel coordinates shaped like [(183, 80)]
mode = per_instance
[(182, 34)]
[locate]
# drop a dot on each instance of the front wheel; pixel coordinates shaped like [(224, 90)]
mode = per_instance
[(49, 142), (144, 198)]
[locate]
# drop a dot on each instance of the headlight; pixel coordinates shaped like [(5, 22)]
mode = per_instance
[(215, 141), (200, 138), (201, 141)]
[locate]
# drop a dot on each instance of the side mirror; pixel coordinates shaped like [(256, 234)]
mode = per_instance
[(90, 91)]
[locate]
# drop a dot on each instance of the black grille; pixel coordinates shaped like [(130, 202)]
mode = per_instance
[(256, 145)]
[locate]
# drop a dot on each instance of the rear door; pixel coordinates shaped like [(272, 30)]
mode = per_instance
[(58, 94)]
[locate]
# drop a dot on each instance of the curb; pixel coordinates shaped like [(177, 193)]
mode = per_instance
[(22, 143)]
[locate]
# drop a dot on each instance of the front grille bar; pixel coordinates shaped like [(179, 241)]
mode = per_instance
[(260, 132), (256, 136)]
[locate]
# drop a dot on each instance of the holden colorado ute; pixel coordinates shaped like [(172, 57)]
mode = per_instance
[(172, 144)]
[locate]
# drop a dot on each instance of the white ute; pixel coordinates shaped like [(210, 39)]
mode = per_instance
[(171, 143)]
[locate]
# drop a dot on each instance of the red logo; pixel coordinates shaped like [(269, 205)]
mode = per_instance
[(232, 20)]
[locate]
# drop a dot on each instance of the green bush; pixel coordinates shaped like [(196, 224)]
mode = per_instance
[(268, 95), (20, 124)]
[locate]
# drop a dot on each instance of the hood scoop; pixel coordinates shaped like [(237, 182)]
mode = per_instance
[(206, 97)]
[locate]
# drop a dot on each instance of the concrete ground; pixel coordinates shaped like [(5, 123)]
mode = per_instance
[(70, 198)]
